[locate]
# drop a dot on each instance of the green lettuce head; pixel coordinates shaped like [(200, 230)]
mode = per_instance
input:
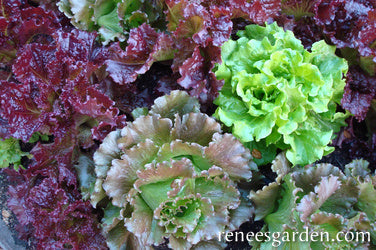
[(171, 174), (278, 93)]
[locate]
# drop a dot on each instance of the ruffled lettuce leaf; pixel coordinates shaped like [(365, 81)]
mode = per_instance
[(113, 19), (320, 198), (57, 91), (46, 200), (11, 153), (21, 23), (278, 93), (196, 30), (49, 86), (360, 90), (171, 173), (350, 26), (145, 46)]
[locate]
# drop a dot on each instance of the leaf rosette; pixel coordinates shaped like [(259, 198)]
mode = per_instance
[(172, 174), (278, 93), (318, 199)]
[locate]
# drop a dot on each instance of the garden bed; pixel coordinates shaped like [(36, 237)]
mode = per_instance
[(162, 124)]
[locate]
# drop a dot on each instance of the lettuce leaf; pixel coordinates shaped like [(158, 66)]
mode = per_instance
[(171, 173), (277, 92), (319, 198)]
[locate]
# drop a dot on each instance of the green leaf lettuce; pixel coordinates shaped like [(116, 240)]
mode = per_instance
[(278, 93)]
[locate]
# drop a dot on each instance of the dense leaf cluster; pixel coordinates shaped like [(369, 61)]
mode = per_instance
[(192, 38), (11, 153), (320, 198), (349, 25), (49, 72), (278, 93), (71, 70), (171, 174), (47, 201)]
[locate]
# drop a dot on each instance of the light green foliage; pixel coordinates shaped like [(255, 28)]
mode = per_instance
[(38, 137), (11, 153), (278, 93)]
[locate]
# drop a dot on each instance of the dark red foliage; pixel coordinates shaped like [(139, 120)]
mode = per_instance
[(299, 8), (20, 21), (192, 72), (47, 202), (20, 24), (258, 11), (157, 81), (145, 46), (48, 5), (21, 112), (197, 76), (33, 21), (341, 20), (4, 128), (305, 29), (364, 150), (34, 64), (57, 88), (350, 24), (51, 74), (198, 28), (79, 53), (359, 92), (90, 107), (358, 140), (59, 81), (221, 26), (71, 56)]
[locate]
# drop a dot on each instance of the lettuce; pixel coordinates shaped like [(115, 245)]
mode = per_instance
[(171, 174), (112, 18), (276, 92), (350, 26), (11, 153), (320, 198)]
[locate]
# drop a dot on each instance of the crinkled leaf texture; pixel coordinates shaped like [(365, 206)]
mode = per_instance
[(359, 92), (11, 153), (21, 23), (320, 198), (51, 88), (47, 202), (199, 28), (145, 46), (113, 19), (196, 30), (350, 25), (55, 91), (278, 93), (171, 174)]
